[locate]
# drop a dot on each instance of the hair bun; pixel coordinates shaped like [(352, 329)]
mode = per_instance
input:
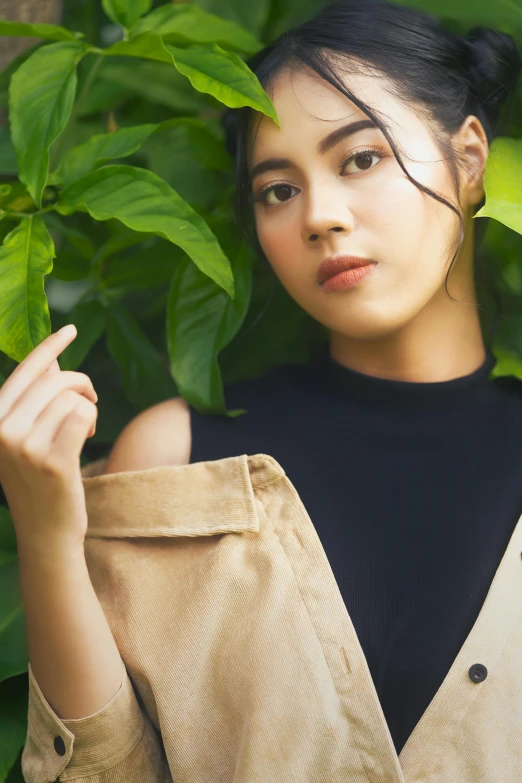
[(494, 65)]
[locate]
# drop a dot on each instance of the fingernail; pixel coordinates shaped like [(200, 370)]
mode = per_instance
[(68, 330)]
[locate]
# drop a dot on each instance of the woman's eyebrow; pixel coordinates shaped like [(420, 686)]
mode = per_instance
[(333, 138)]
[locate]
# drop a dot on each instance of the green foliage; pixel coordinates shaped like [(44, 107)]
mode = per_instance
[(126, 12), (209, 69), (184, 25), (13, 651), (503, 183), (41, 97), (199, 314), (144, 374), (101, 148), (66, 169), (144, 202), (116, 215), (50, 31), (252, 16), (25, 257)]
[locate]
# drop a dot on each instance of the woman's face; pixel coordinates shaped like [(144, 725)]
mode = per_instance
[(328, 202)]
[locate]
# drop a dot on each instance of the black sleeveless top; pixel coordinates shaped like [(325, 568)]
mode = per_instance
[(414, 490)]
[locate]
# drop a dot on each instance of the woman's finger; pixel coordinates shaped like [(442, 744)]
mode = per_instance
[(40, 439), (32, 367)]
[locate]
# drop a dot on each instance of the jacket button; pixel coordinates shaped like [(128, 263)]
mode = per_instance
[(59, 746), (478, 672)]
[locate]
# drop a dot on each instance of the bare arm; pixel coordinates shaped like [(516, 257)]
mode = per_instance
[(45, 416), (84, 714), (72, 651), (71, 648)]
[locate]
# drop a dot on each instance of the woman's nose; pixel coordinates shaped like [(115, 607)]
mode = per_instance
[(325, 216), (314, 236)]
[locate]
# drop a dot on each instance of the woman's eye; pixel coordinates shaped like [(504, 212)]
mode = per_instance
[(362, 160), (280, 192)]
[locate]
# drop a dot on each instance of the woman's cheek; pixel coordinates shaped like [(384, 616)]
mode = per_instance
[(280, 241)]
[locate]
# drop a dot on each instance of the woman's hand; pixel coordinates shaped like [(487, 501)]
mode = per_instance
[(46, 414)]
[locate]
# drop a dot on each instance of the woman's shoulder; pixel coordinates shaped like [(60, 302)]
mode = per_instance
[(162, 434), (157, 436)]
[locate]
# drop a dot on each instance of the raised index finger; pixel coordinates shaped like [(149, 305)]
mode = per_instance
[(35, 364)]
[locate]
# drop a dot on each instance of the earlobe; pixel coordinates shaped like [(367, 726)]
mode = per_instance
[(474, 149), (475, 187), (471, 144)]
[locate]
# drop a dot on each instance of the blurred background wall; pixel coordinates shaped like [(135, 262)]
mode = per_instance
[(33, 11)]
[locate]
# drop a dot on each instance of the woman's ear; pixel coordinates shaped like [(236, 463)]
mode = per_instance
[(472, 146)]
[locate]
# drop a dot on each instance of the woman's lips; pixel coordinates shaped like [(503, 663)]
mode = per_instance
[(347, 278)]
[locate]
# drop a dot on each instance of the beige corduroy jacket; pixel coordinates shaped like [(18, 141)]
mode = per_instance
[(241, 663)]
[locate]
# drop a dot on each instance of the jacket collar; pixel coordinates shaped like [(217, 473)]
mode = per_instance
[(198, 499)]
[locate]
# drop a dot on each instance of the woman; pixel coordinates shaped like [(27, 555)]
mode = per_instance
[(330, 591)]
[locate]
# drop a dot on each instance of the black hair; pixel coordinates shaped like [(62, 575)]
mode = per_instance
[(442, 74)]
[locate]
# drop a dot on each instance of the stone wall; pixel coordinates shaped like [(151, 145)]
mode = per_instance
[(48, 11)]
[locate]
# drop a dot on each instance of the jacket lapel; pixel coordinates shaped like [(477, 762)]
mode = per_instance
[(198, 499)]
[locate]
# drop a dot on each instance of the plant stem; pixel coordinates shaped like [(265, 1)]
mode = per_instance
[(48, 208)]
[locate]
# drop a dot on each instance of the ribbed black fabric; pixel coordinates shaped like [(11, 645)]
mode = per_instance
[(414, 490)]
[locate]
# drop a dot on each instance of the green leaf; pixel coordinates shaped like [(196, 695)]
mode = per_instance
[(472, 11), (17, 199), (126, 12), (82, 159), (90, 321), (283, 14), (123, 239), (8, 544), (41, 97), (202, 143), (512, 273), (11, 67), (8, 162), (252, 16), (145, 376), (13, 727), (123, 142), (104, 95), (201, 321), (224, 75), (144, 202), (13, 639), (184, 24), (69, 265), (192, 160), (146, 268), (209, 69), (50, 31), (155, 82), (25, 257), (503, 183), (507, 363), (80, 241)]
